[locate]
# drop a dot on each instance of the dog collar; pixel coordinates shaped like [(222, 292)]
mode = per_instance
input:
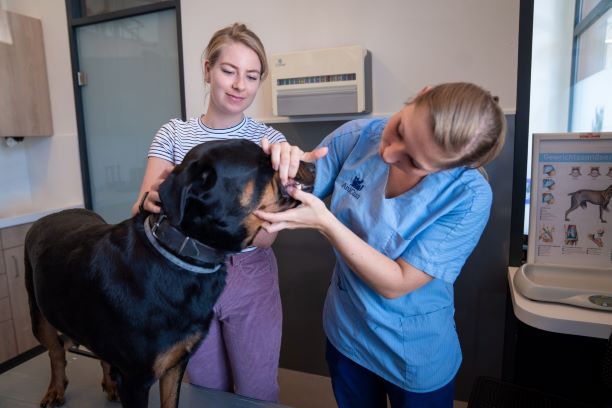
[(170, 242)]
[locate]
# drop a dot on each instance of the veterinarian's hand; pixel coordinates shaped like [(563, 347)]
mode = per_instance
[(312, 213), (286, 158)]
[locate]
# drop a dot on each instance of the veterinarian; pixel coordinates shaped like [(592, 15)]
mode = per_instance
[(408, 206), (241, 352)]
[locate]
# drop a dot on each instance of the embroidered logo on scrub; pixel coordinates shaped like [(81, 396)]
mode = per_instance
[(355, 186)]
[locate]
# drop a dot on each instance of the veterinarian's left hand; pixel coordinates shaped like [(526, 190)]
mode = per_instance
[(312, 213), (286, 158)]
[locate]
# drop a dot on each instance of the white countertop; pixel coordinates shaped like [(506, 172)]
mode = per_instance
[(12, 219), (559, 318)]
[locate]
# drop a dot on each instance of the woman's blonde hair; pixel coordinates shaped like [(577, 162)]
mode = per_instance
[(237, 33), (467, 123)]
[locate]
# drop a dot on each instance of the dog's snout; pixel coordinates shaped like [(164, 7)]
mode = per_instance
[(304, 180)]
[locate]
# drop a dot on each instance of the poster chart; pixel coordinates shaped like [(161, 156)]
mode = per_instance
[(571, 212)]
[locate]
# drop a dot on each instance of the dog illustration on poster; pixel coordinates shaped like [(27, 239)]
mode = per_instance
[(546, 234), (595, 172), (548, 184), (571, 235), (580, 198), (597, 237), (575, 172)]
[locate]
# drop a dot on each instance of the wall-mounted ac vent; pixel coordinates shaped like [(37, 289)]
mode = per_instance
[(327, 81)]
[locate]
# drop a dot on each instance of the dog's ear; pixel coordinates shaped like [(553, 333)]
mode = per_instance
[(173, 194), (185, 180)]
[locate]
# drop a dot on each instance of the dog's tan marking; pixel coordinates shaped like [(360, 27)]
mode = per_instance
[(169, 387), (48, 337), (269, 202), (108, 385), (247, 194), (270, 199), (173, 356), (252, 223)]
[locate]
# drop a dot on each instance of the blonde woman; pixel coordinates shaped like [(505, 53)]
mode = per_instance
[(408, 206), (241, 352)]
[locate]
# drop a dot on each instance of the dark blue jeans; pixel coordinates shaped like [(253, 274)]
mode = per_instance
[(355, 387)]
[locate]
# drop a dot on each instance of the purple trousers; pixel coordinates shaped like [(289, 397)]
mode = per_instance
[(241, 352)]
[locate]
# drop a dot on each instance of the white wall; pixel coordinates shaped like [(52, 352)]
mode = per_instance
[(44, 173), (413, 42)]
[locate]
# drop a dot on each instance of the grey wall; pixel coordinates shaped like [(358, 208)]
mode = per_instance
[(306, 260), (481, 289), (305, 264)]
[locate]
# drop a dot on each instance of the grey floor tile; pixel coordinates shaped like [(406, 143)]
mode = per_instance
[(24, 386)]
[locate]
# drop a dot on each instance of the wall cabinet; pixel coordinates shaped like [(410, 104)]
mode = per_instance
[(25, 107), (8, 344), (15, 329)]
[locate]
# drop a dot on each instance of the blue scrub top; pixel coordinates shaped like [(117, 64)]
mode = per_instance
[(410, 341)]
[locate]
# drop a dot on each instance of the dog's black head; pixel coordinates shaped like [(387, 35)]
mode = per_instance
[(211, 195)]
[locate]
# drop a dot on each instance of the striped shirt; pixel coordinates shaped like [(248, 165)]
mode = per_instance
[(176, 138)]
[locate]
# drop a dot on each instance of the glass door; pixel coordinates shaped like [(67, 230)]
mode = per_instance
[(129, 81)]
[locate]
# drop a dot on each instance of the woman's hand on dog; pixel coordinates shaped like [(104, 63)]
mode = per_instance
[(152, 202), (286, 158), (148, 199)]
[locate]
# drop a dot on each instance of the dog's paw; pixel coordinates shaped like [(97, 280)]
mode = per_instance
[(110, 388), (53, 398)]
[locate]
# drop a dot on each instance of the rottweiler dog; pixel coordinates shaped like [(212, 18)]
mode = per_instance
[(139, 294)]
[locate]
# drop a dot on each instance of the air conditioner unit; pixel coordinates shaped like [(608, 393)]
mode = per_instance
[(326, 81)]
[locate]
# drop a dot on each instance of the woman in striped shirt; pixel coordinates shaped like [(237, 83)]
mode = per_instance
[(241, 352)]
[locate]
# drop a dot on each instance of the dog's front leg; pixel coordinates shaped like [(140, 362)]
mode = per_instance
[(49, 338), (604, 206), (109, 386), (170, 385), (133, 394), (54, 397)]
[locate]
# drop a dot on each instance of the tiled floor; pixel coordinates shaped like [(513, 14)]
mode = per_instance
[(24, 385), (303, 390)]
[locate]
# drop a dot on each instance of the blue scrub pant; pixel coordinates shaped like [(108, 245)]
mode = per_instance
[(355, 387)]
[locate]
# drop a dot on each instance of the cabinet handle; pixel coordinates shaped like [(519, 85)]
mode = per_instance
[(16, 266)]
